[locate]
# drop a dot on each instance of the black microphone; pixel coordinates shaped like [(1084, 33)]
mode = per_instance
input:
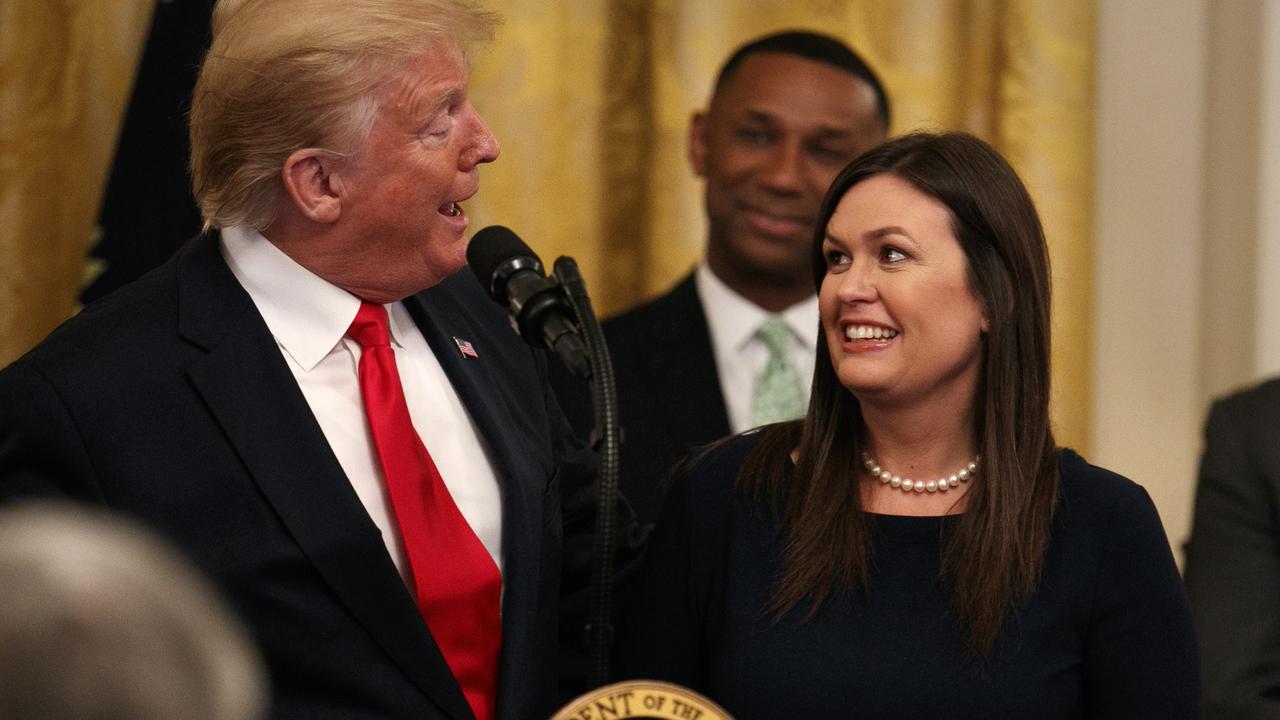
[(539, 309)]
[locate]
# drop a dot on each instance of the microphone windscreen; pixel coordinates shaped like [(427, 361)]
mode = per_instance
[(490, 248)]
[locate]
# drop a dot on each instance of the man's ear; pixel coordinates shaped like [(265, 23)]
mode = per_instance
[(698, 143), (309, 181)]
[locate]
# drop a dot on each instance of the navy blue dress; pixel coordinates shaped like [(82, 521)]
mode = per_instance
[(1106, 634)]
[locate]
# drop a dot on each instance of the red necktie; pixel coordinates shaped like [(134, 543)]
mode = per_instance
[(459, 586)]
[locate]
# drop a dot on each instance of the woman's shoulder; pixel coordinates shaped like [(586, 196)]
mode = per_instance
[(706, 480), (1094, 495), (1084, 482), (723, 457)]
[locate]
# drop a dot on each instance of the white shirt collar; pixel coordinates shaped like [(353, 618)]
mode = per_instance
[(307, 315), (733, 319)]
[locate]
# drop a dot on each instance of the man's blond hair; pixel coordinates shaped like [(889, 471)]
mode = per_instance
[(284, 75)]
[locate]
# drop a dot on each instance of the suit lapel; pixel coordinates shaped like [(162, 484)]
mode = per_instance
[(444, 318), (285, 452), (472, 378), (686, 365)]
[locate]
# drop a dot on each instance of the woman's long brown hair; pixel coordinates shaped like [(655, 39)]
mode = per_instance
[(993, 557)]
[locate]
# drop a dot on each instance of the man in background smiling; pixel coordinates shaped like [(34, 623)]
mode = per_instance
[(732, 345)]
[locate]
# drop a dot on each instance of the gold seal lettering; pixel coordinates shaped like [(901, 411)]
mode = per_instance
[(642, 699)]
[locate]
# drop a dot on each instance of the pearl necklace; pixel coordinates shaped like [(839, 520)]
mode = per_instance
[(942, 484)]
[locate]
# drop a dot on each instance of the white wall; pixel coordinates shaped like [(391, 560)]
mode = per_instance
[(1267, 327), (1187, 255)]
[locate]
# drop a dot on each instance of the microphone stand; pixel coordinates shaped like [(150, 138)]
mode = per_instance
[(604, 402)]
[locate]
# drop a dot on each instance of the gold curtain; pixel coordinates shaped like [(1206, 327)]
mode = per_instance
[(66, 67), (591, 101)]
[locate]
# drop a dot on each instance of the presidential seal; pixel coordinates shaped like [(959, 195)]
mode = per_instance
[(642, 699)]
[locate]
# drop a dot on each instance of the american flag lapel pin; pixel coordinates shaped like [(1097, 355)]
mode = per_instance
[(465, 347)]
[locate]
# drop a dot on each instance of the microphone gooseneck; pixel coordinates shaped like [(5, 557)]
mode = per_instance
[(604, 403), (558, 315)]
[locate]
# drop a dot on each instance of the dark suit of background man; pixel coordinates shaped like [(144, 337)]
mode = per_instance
[(1233, 557), (788, 111), (223, 401)]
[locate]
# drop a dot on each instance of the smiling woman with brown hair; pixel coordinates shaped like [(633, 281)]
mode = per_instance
[(918, 545)]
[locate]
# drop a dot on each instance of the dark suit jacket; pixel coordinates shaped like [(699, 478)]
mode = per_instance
[(169, 401), (1233, 557), (669, 394)]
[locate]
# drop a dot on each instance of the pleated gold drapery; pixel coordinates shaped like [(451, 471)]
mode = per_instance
[(591, 100), (66, 67)]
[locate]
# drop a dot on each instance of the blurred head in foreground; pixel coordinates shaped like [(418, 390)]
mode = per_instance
[(100, 620)]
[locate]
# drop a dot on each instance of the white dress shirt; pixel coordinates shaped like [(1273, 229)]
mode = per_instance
[(740, 355), (309, 318)]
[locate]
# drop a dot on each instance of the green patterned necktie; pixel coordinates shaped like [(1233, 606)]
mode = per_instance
[(778, 394)]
